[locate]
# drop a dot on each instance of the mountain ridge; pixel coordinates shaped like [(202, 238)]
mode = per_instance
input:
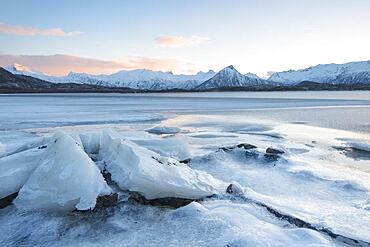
[(11, 83), (351, 72), (135, 79), (228, 77)]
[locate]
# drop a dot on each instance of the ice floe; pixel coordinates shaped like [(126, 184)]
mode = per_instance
[(138, 169), (357, 144), (159, 130), (56, 172), (15, 170), (66, 178), (91, 142)]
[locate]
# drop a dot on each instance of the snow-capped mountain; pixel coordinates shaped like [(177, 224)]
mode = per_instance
[(136, 79), (251, 75), (230, 77), (156, 80), (19, 69), (353, 72)]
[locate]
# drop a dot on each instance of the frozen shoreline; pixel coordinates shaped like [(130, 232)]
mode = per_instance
[(322, 178)]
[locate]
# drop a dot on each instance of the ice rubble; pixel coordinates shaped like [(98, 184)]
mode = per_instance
[(138, 169), (15, 170), (56, 173), (10, 149), (90, 142), (65, 178)]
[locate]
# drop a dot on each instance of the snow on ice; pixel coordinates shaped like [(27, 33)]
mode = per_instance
[(312, 181)]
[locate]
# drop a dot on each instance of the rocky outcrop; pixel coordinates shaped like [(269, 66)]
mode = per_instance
[(270, 150), (273, 154), (107, 201), (234, 189), (8, 200), (172, 202), (245, 146)]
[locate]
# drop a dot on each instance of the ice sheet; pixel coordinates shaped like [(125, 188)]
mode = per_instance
[(317, 180)]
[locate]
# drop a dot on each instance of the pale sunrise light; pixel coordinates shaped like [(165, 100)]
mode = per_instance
[(185, 36)]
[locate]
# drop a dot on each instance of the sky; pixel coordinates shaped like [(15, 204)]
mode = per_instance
[(183, 36)]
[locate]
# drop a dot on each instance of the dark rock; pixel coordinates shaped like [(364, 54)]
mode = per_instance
[(107, 176), (161, 162), (107, 201), (6, 201), (185, 161), (229, 189), (270, 150), (171, 202), (234, 189), (251, 154), (353, 153), (268, 134), (42, 147), (226, 148), (246, 146), (271, 157)]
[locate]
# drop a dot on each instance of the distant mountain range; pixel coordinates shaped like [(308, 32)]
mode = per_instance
[(142, 79), (354, 72), (354, 75), (11, 83)]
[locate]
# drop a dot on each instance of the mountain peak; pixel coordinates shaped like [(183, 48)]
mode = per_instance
[(229, 77), (326, 73), (251, 75), (230, 67), (20, 67), (230, 70)]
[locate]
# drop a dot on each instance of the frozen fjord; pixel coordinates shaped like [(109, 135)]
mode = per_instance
[(322, 178)]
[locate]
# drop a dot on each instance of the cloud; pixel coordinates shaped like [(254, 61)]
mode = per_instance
[(63, 64), (31, 31), (177, 41)]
